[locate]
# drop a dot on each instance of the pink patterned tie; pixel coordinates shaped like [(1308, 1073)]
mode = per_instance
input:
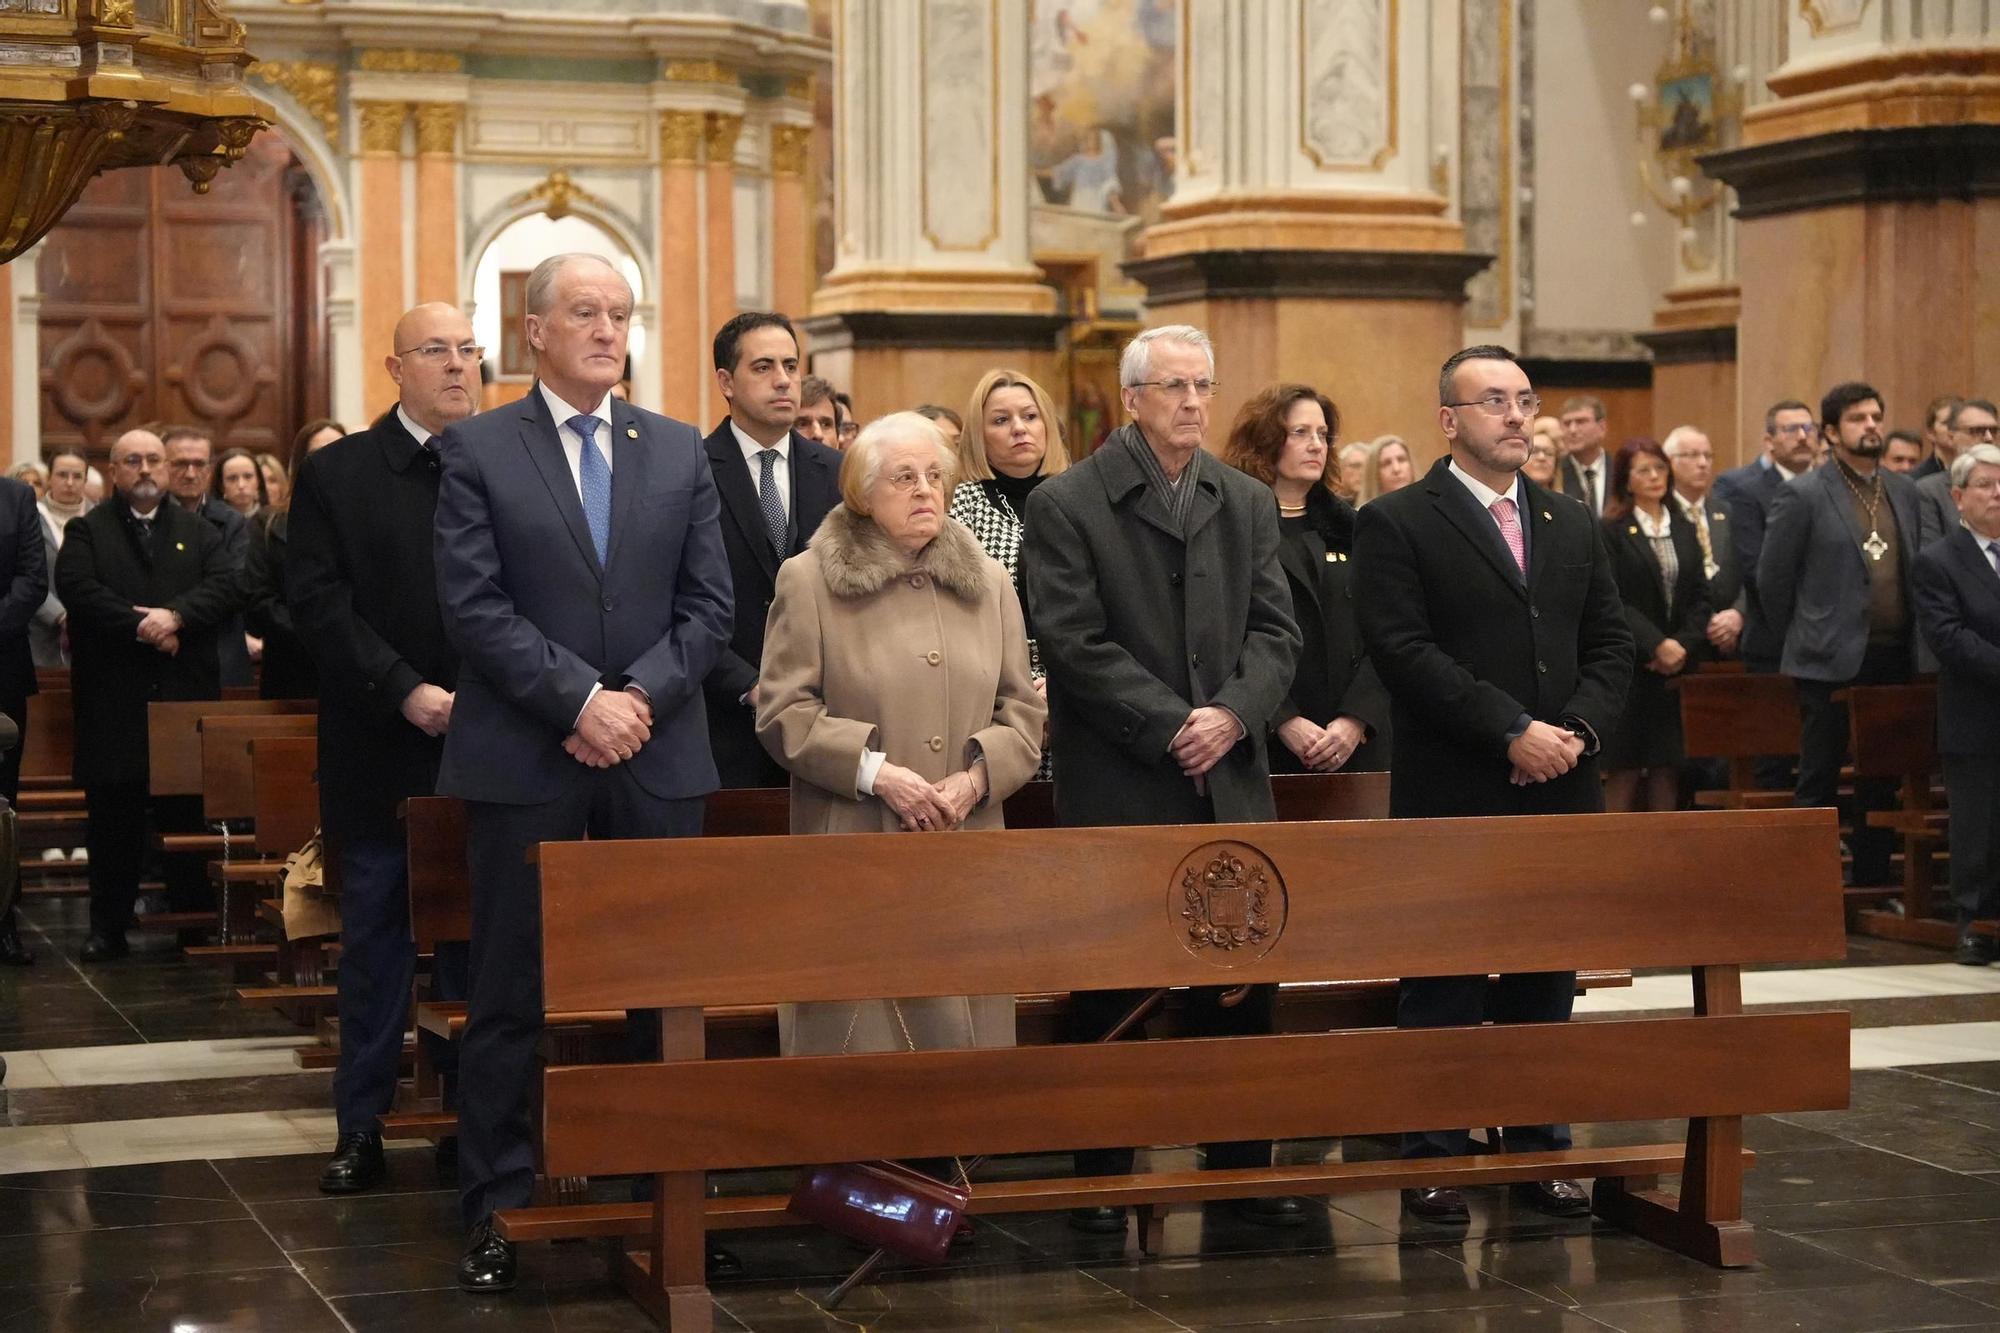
[(1510, 528)]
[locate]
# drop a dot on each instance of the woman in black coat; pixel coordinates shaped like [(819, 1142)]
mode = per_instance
[(1656, 557), (1335, 716)]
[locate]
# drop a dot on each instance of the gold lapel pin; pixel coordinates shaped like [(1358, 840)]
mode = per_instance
[(180, 546), (1331, 557), (1547, 517), (631, 432), (1633, 531)]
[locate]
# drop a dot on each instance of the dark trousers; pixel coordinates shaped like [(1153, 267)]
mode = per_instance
[(378, 965), (1093, 1013), (1522, 997), (115, 836), (496, 1062), (1972, 786), (1823, 744), (10, 789)]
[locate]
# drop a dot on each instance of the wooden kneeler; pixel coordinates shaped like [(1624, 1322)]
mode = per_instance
[(678, 926)]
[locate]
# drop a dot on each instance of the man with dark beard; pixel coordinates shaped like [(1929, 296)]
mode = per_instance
[(1835, 579)]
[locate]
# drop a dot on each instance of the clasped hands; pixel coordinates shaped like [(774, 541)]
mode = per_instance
[(1543, 753), (614, 724), (160, 628), (1203, 739), (1323, 749), (930, 807)]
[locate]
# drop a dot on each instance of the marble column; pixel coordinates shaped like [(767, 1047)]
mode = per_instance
[(381, 214), (1868, 189), (682, 358), (1311, 214), (437, 222), (791, 223), (720, 131), (933, 281)]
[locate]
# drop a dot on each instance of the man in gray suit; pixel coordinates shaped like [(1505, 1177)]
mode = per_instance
[(1967, 421), (582, 579), (1165, 622), (1835, 578)]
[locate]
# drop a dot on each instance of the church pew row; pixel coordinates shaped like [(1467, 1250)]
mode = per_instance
[(1892, 731), (808, 920)]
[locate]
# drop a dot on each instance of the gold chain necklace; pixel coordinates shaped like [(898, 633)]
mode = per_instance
[(1874, 545)]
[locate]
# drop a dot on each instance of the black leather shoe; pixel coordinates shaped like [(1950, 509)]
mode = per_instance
[(1284, 1212), (718, 1262), (356, 1165), (13, 953), (488, 1264), (1098, 1221), (1437, 1203), (103, 948), (1555, 1198), (1973, 950)]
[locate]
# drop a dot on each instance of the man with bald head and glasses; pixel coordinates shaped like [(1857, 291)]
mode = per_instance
[(1489, 608), (147, 586), (364, 599)]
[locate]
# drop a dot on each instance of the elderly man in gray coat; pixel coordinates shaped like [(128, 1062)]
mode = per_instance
[(1166, 625)]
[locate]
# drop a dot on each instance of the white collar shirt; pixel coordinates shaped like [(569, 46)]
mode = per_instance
[(417, 432), (572, 443), (781, 471)]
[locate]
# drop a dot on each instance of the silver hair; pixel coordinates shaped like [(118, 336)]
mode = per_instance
[(541, 293), (1671, 446), (861, 467), (1136, 363), (1968, 459)]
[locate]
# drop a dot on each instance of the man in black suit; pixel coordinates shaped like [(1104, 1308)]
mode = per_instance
[(190, 465), (1489, 607), (582, 577), (1835, 578), (147, 586), (24, 574), (776, 487), (1956, 584), (1586, 471), (1939, 449), (364, 599)]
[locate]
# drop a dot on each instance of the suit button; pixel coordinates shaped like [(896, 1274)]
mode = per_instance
[(1195, 660), (607, 604), (916, 580), (934, 657), (1542, 667), (1174, 579), (1535, 612), (936, 743)]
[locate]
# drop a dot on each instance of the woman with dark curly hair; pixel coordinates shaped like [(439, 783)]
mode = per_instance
[(1336, 715)]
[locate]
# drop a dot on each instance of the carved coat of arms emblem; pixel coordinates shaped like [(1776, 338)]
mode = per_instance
[(1230, 903)]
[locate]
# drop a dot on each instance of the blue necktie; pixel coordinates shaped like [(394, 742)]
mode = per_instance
[(767, 496), (594, 480)]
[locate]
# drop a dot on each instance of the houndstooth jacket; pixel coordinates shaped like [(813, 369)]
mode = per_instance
[(998, 530)]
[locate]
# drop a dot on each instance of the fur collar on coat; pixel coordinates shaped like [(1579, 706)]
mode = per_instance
[(858, 558)]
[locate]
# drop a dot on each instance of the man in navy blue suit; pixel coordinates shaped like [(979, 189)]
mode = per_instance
[(1956, 585), (1747, 491), (581, 572)]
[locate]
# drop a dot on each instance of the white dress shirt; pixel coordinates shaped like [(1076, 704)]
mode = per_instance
[(417, 433), (1486, 495), (781, 473), (572, 443)]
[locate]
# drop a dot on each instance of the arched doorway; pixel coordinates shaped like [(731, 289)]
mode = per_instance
[(499, 282), (158, 304)]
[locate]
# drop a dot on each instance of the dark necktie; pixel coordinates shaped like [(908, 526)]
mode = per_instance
[(1993, 554), (769, 500), (594, 480)]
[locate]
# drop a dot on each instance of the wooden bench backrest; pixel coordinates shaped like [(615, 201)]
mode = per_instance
[(173, 737), (440, 888), (1893, 729), (284, 778), (50, 747), (1738, 715), (678, 925), (228, 790)]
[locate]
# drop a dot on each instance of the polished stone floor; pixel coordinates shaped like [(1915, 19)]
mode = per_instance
[(1885, 1216)]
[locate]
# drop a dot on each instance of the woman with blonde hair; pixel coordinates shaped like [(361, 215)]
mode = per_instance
[(1349, 464), (1388, 468), (894, 689)]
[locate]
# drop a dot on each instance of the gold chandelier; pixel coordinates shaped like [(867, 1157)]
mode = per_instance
[(91, 85)]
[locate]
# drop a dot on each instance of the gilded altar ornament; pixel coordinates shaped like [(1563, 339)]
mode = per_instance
[(1228, 903), (313, 84), (558, 195), (76, 104), (1688, 111)]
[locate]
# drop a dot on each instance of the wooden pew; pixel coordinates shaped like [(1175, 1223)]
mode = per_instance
[(637, 925), (1892, 732), (1739, 716), (50, 803), (287, 815)]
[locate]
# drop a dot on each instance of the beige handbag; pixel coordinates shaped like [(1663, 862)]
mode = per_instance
[(310, 909)]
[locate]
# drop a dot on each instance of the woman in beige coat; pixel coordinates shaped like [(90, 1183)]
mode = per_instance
[(895, 690)]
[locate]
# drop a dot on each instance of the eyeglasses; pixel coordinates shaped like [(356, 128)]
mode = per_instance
[(1986, 433), (188, 464), (1175, 388), (1306, 434), (141, 462), (1801, 428), (1985, 483), (440, 352), (850, 429), (1496, 404), (906, 481)]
